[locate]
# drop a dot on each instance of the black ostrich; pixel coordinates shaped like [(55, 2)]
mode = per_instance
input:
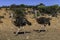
[(21, 22), (43, 21)]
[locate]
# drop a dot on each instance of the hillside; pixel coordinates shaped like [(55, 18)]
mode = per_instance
[(7, 29)]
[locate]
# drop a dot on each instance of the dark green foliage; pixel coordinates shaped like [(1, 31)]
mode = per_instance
[(52, 10), (19, 13), (19, 9), (41, 4), (22, 5), (38, 14)]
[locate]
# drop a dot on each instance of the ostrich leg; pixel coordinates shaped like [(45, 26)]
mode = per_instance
[(23, 29), (17, 31), (20, 30), (42, 29)]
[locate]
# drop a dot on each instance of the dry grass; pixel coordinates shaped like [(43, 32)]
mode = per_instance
[(7, 29)]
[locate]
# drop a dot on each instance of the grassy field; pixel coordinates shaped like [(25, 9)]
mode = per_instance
[(7, 30)]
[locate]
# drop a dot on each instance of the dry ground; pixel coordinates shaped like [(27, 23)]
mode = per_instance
[(7, 29)]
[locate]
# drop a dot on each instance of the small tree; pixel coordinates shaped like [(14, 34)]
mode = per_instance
[(19, 13)]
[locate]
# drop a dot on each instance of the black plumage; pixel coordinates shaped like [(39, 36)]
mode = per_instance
[(20, 21), (44, 21)]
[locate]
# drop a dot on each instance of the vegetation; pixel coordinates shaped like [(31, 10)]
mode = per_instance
[(19, 13), (50, 10)]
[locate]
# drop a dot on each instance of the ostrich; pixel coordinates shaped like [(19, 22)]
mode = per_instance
[(44, 21), (21, 22)]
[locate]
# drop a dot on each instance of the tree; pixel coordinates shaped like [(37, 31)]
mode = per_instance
[(19, 13), (41, 4), (53, 10), (22, 5), (13, 6)]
